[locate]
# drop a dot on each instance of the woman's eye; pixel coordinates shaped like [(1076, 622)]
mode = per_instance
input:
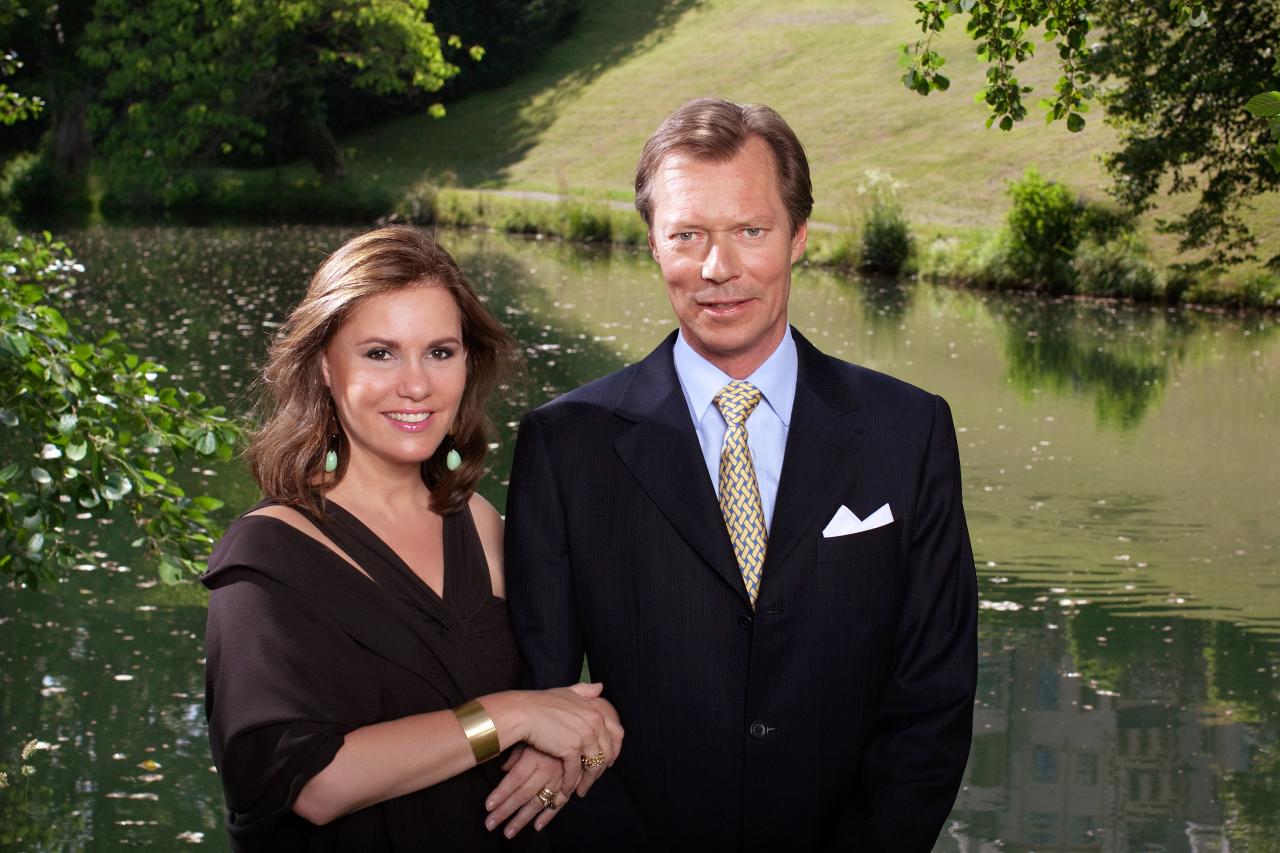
[(378, 354), (441, 353)]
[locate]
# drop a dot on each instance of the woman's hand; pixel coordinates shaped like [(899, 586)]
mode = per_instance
[(573, 724), (529, 771)]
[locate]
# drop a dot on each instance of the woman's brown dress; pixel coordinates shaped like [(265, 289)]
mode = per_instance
[(301, 649)]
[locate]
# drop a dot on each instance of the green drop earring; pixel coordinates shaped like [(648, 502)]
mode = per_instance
[(331, 456), (452, 459)]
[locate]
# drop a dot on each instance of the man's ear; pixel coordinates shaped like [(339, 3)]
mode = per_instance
[(653, 248), (799, 240)]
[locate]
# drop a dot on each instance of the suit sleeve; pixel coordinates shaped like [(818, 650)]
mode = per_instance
[(539, 575), (541, 601), (913, 766)]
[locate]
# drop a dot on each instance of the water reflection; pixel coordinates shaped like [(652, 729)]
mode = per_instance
[(1130, 738), (1120, 487)]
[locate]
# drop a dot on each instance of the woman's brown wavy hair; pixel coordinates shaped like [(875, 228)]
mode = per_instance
[(286, 454)]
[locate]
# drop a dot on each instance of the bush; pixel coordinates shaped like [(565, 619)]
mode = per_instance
[(885, 243), (87, 427), (31, 187), (1117, 267), (1042, 227), (985, 261), (258, 194), (419, 203), (586, 222)]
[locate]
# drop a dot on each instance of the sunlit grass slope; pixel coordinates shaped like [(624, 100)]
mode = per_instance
[(578, 120)]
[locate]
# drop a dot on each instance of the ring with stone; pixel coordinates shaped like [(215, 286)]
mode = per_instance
[(547, 797), (592, 761)]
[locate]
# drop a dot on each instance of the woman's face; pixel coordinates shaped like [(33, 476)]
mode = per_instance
[(397, 369)]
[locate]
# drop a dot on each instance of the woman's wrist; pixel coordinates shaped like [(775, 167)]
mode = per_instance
[(507, 712), (480, 730)]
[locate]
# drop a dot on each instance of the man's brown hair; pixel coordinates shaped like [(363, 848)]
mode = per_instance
[(715, 129), (286, 454)]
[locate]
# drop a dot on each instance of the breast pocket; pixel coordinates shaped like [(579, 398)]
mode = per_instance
[(853, 546)]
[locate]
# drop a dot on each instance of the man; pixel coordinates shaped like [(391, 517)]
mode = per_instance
[(760, 549)]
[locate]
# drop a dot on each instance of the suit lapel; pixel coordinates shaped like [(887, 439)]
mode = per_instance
[(661, 451), (822, 442)]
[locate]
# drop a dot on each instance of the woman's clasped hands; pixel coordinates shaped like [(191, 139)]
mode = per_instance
[(570, 736)]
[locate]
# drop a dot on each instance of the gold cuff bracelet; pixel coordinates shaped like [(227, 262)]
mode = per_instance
[(481, 733)]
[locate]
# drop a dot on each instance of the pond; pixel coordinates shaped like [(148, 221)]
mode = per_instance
[(1121, 484)]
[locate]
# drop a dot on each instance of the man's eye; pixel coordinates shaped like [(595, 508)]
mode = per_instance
[(378, 354), (753, 232), (684, 236)]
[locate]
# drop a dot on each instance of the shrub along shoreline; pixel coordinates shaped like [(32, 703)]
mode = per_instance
[(1052, 242)]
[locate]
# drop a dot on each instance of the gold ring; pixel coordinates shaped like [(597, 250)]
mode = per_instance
[(547, 797), (594, 761)]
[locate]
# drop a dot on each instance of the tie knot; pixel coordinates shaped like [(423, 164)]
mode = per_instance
[(737, 400)]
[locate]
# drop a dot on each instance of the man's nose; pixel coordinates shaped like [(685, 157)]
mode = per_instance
[(721, 263)]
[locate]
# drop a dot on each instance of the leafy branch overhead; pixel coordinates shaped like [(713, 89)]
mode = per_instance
[(90, 433), (1172, 76)]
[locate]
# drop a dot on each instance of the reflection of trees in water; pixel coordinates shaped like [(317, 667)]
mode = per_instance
[(61, 660), (559, 355), (884, 301), (1120, 355), (1122, 730)]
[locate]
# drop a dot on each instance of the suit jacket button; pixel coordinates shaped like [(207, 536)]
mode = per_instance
[(758, 730), (745, 620)]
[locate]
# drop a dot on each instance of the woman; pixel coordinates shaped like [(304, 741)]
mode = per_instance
[(359, 664)]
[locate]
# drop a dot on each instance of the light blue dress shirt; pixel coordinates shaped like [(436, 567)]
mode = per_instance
[(766, 428)]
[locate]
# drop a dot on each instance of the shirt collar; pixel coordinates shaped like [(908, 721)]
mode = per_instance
[(701, 380)]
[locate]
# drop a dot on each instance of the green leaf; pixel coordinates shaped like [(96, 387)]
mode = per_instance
[(1264, 105), (115, 486), (206, 444), (67, 423), (1075, 122), (170, 571), (941, 83), (9, 471), (41, 476), (207, 503), (35, 544), (1273, 157), (77, 451), (8, 418), (1006, 123), (89, 499), (50, 451)]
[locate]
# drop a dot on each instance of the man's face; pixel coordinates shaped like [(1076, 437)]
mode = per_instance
[(722, 237)]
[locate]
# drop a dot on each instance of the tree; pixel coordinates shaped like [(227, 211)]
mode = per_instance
[(186, 82), (1173, 77), (88, 430)]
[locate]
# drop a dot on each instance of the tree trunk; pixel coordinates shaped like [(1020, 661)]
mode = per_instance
[(322, 149), (72, 147)]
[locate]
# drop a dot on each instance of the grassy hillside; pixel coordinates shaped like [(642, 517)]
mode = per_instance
[(578, 120)]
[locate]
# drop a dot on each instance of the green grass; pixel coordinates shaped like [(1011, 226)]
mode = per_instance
[(829, 66)]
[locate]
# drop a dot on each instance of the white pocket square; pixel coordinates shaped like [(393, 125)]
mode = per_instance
[(845, 522)]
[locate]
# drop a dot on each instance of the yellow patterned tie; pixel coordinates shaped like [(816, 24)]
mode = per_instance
[(739, 493)]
